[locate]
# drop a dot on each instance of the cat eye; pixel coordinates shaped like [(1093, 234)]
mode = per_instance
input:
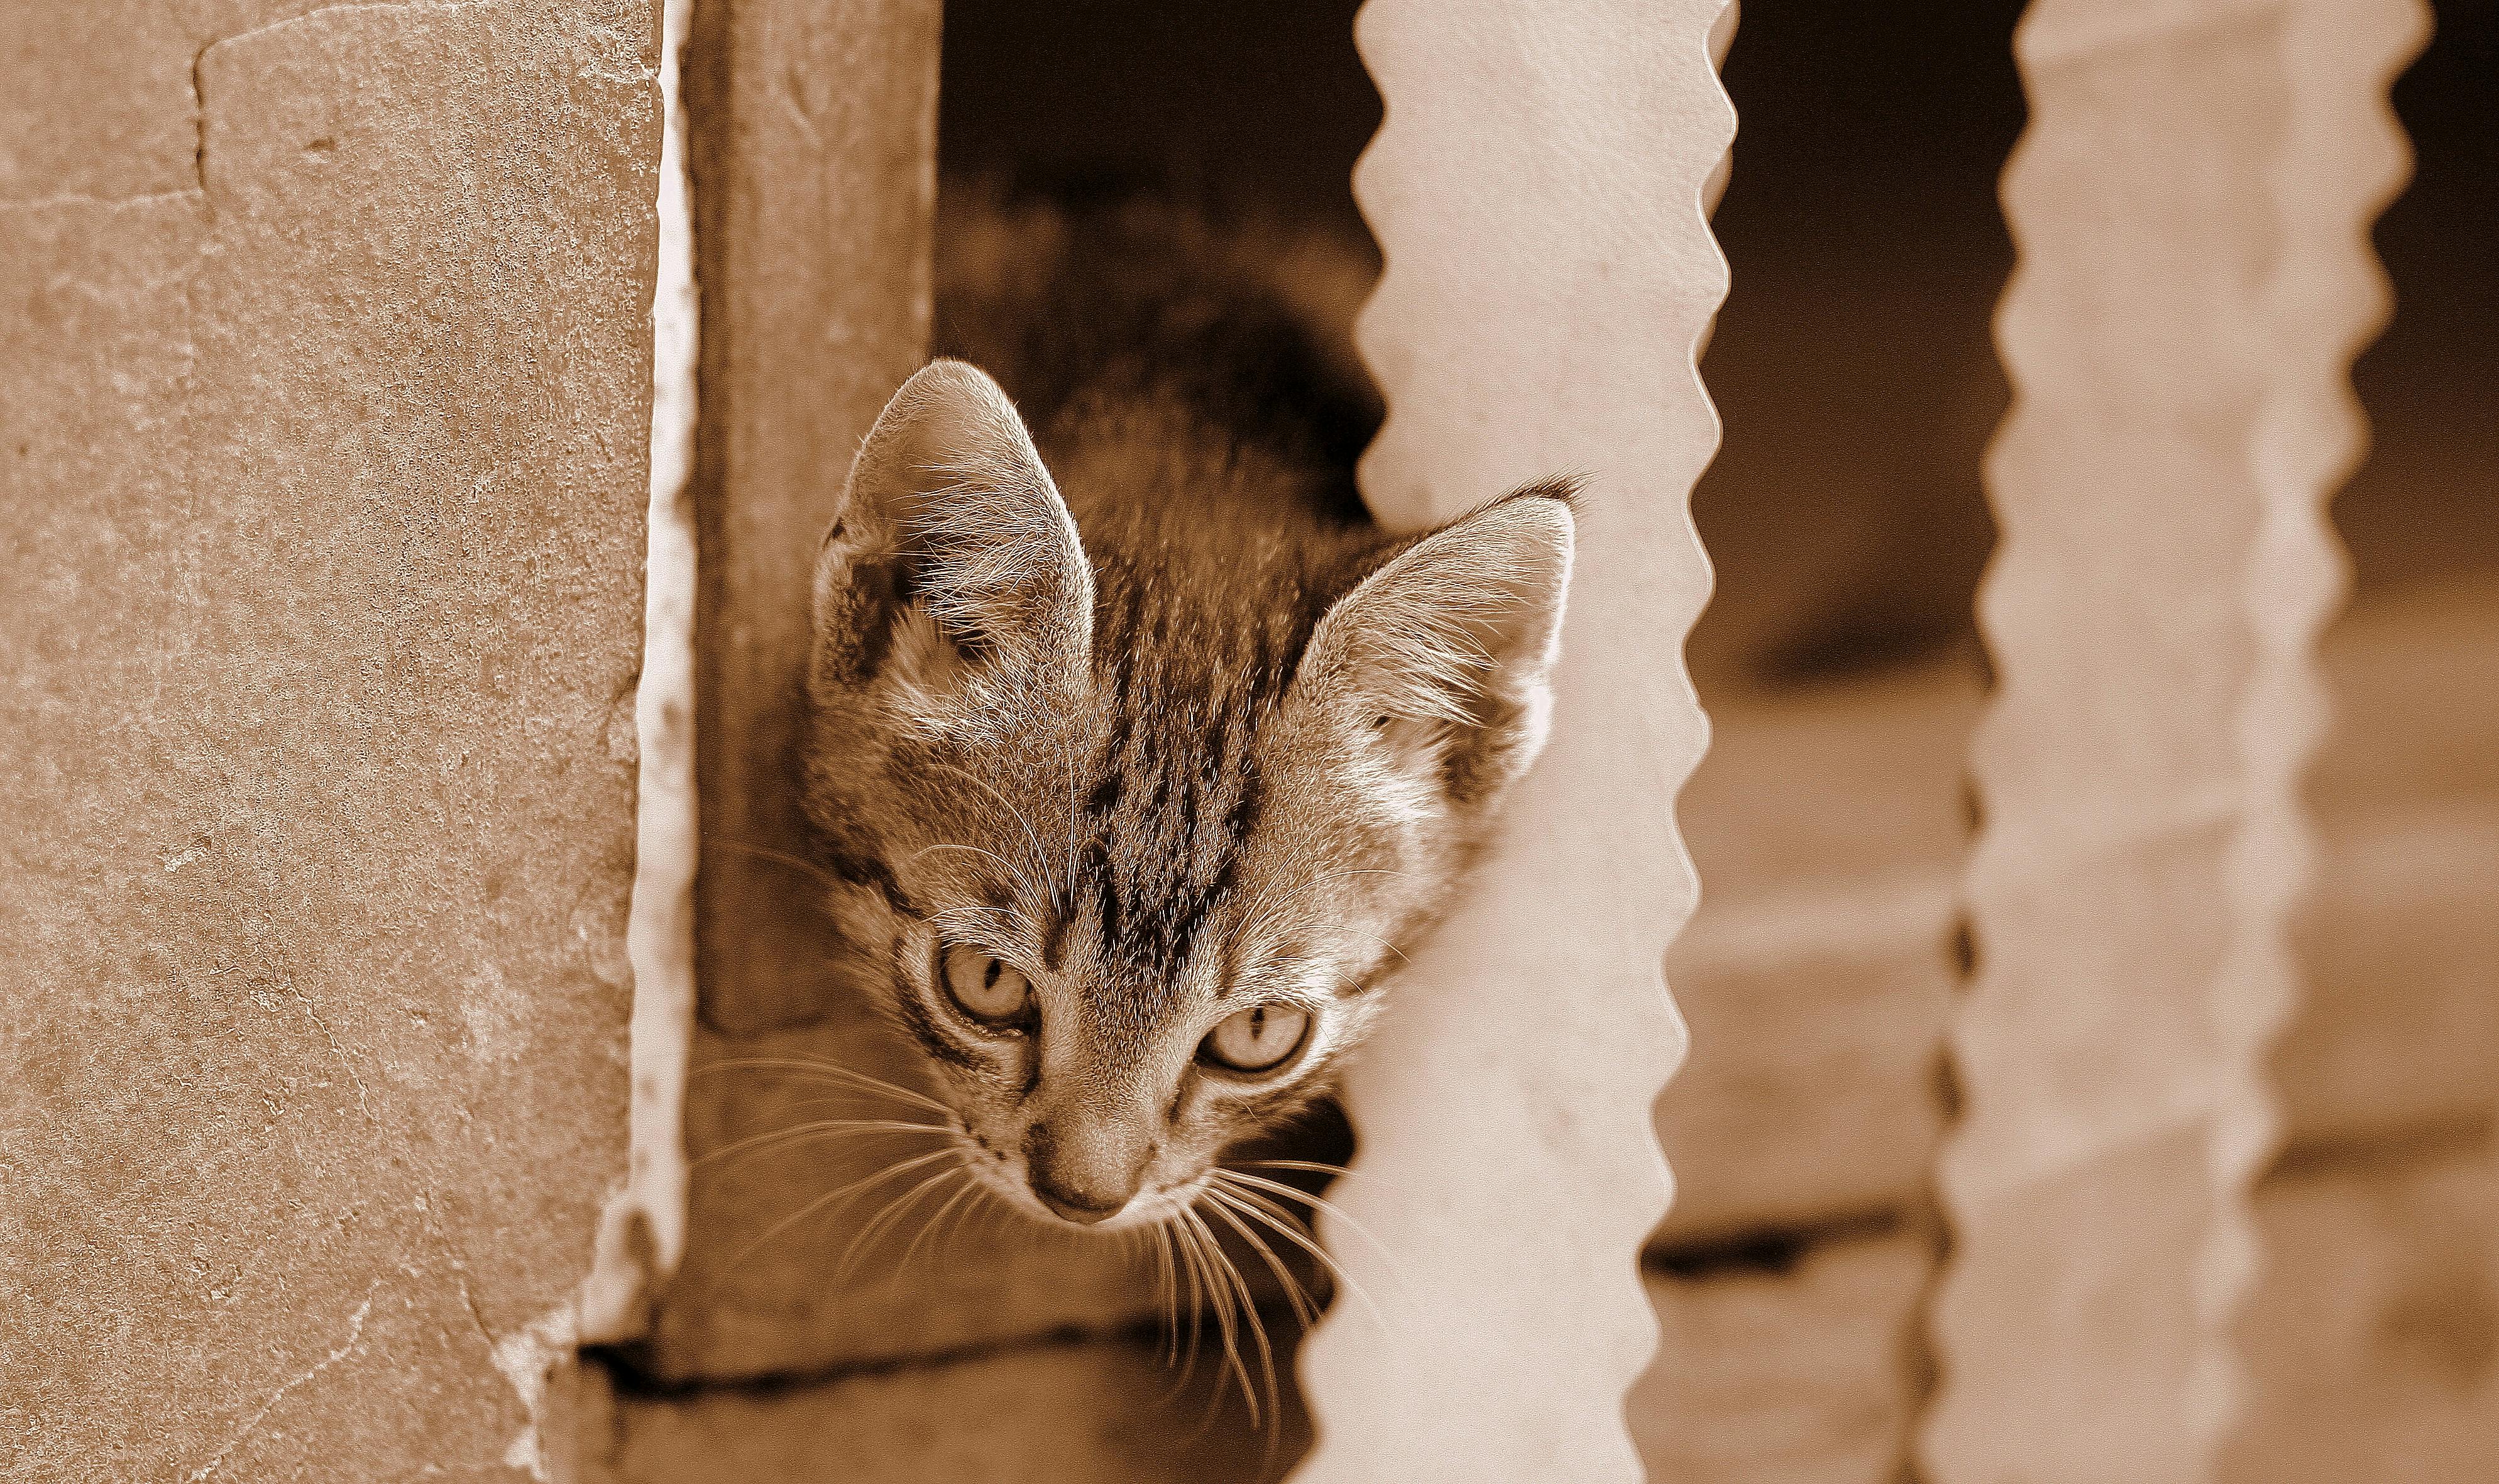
[(1259, 1039), (987, 988)]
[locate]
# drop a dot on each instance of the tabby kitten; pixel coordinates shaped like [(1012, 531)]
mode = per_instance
[(1136, 775)]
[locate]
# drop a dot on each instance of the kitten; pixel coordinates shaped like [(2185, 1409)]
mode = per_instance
[(1138, 746)]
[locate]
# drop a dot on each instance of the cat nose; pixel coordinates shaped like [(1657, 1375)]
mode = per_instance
[(1073, 1205), (1085, 1179)]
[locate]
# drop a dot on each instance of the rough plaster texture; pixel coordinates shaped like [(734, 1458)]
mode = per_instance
[(642, 1233), (325, 336)]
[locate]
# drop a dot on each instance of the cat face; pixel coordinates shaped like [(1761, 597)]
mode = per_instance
[(1130, 836)]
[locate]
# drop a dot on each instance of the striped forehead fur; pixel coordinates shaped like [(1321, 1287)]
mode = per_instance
[(1175, 790)]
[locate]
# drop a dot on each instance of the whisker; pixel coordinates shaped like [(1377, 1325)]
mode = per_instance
[(851, 1097), (1315, 1166), (1185, 1256), (1075, 819), (1031, 836), (825, 1071), (1190, 1246), (1282, 1222), (1204, 1241), (1305, 1308), (1238, 1292), (971, 849), (1166, 1292), (876, 1218), (1016, 873), (1263, 910), (817, 1204), (1305, 1314), (822, 1128), (954, 1211), (902, 1264), (982, 1201), (862, 1241), (1315, 1203), (784, 857), (1021, 877), (985, 1212)]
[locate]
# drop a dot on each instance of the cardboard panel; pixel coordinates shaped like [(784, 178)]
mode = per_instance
[(1538, 191), (2189, 202)]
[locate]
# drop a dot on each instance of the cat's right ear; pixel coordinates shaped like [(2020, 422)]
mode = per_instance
[(954, 557), (1446, 653)]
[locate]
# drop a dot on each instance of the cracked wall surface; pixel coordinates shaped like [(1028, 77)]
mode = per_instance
[(322, 470)]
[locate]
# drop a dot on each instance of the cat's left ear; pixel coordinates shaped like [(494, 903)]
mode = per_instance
[(1447, 651), (952, 535)]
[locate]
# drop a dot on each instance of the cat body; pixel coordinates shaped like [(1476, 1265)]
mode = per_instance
[(1137, 746)]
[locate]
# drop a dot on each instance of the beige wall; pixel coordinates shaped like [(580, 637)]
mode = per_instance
[(324, 336)]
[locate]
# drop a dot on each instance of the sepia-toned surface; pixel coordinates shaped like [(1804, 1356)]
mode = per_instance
[(812, 141), (642, 1231), (293, 1184), (1062, 1409), (2368, 1347), (1537, 193), (2372, 1344), (2190, 203), (1817, 974), (814, 161), (1817, 977), (324, 334), (812, 145)]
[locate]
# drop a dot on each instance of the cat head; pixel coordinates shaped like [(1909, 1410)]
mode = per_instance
[(1131, 837)]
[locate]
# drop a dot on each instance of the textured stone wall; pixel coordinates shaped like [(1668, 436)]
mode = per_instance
[(324, 334)]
